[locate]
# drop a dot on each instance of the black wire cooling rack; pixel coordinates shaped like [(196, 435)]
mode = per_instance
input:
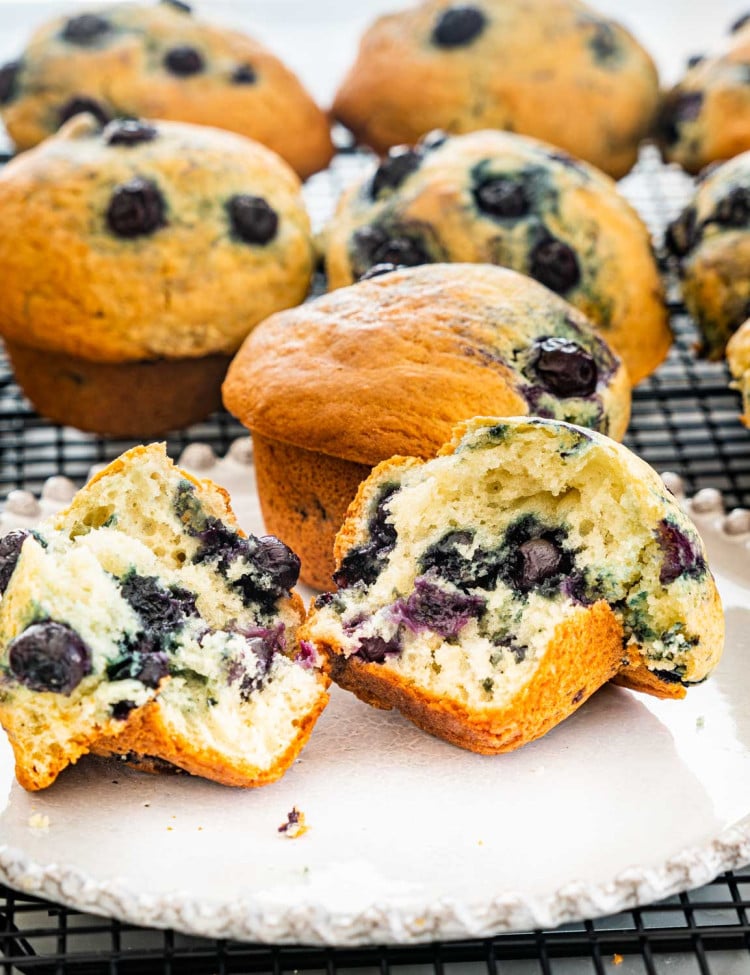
[(685, 419)]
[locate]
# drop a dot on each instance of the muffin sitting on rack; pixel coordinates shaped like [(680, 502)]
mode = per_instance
[(134, 259), (504, 199), (388, 366), (705, 117), (128, 59), (711, 238), (553, 69)]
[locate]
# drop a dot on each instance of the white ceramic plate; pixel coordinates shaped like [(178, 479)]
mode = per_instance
[(629, 800)]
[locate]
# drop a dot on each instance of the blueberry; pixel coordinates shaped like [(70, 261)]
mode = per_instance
[(128, 132), (695, 59), (10, 550), (538, 559), (668, 676), (82, 103), (375, 649), (142, 659), (253, 220), (502, 197), (564, 367), (244, 74), (533, 557), (434, 139), (442, 611), (739, 23), (682, 234), (603, 42), (49, 656), (364, 562), (682, 554), (8, 81), (444, 557), (121, 709), (555, 265), (85, 28), (379, 269), (518, 650), (184, 61), (264, 643), (159, 609), (184, 8), (402, 251), (734, 209), (458, 25), (136, 208), (400, 162), (278, 561)]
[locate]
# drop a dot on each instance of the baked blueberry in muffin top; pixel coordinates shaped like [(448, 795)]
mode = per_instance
[(493, 197)]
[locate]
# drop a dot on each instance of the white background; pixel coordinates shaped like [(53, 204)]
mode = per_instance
[(318, 38)]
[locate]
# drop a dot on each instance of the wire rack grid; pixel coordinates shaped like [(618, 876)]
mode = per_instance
[(684, 419)]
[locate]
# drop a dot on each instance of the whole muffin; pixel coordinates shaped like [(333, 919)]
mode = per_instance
[(554, 69), (711, 238), (137, 258), (489, 592), (388, 366), (128, 59), (505, 199), (705, 117)]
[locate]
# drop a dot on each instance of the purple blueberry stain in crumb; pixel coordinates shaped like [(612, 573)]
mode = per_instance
[(128, 132), (363, 563), (244, 74), (10, 551), (9, 81), (400, 163), (458, 25), (85, 28), (508, 643), (554, 264), (564, 367), (160, 609), (49, 656), (432, 607), (307, 655), (376, 649), (253, 220), (682, 554), (379, 269), (448, 557), (136, 209), (184, 61), (264, 643), (83, 103)]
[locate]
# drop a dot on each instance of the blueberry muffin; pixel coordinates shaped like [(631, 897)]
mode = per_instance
[(711, 239), (137, 257), (553, 69), (388, 366), (505, 199), (488, 593), (142, 622), (131, 60), (705, 117), (738, 359)]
